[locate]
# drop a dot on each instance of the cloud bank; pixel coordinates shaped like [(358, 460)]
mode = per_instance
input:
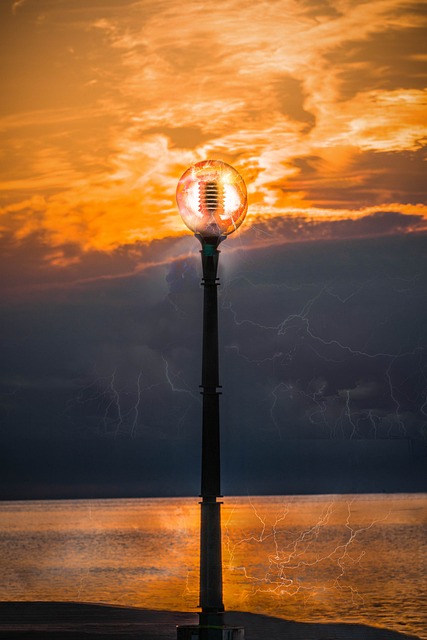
[(320, 106)]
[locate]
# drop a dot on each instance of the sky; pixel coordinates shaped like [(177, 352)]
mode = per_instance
[(321, 107)]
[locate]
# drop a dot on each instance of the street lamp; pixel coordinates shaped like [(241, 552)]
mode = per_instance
[(212, 201)]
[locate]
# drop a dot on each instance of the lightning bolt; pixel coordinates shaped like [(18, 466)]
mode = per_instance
[(291, 557), (348, 413), (274, 393), (184, 389), (136, 407), (300, 325), (114, 401), (118, 407), (172, 384), (393, 397)]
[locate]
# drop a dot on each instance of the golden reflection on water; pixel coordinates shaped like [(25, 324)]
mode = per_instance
[(324, 558)]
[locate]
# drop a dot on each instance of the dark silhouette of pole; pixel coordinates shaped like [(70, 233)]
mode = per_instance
[(212, 201), (211, 598)]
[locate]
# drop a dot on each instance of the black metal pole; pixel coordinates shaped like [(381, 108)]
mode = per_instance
[(211, 598)]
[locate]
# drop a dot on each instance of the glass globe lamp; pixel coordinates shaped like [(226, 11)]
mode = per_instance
[(212, 198)]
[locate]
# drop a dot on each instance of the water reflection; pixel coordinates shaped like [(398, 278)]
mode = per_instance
[(340, 558)]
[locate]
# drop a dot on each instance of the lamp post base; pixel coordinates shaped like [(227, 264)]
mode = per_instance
[(199, 632)]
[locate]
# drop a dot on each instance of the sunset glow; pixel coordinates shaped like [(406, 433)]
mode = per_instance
[(320, 106)]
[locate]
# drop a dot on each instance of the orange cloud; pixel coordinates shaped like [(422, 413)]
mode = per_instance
[(106, 107)]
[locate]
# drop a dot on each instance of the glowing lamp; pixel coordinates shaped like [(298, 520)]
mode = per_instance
[(212, 199)]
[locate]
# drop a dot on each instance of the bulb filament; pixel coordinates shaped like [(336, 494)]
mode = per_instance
[(211, 198)]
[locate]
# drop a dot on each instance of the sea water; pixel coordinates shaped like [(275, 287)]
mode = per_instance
[(359, 558)]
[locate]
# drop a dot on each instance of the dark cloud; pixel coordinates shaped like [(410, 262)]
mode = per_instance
[(323, 367), (299, 229), (320, 8), (290, 98), (389, 60), (32, 268), (372, 179), (182, 137), (31, 265)]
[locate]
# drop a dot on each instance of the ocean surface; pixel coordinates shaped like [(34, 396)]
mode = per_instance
[(359, 558)]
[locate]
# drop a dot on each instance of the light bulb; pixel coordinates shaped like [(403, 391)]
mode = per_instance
[(211, 197)]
